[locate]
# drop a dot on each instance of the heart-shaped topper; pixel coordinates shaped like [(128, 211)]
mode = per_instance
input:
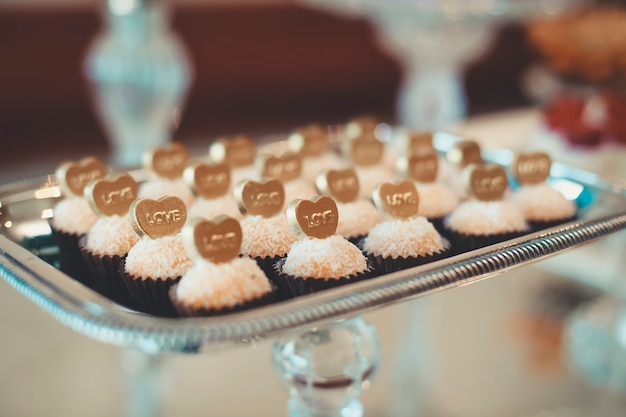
[(315, 218), (419, 167), (364, 151), (464, 153), (486, 182), (167, 161), (399, 200), (342, 185), (310, 140), (158, 218), (531, 168), (238, 151), (419, 143), (218, 240), (360, 126), (108, 197), (285, 168), (74, 176), (260, 198), (208, 180)]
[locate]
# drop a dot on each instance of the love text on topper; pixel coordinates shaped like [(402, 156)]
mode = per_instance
[(341, 185), (486, 182), (316, 218), (208, 180), (158, 218), (309, 141), (237, 151), (420, 167), (364, 151), (464, 153), (167, 161), (74, 176), (286, 167), (260, 198), (399, 200), (531, 168), (217, 240), (112, 196)]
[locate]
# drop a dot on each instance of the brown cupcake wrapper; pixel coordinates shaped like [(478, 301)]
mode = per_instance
[(297, 286), (536, 226), (188, 311), (384, 265), (150, 295), (464, 243), (106, 270), (71, 259)]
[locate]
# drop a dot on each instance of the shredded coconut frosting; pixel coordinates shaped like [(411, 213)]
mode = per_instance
[(475, 217), (541, 202), (403, 238), (266, 237), (161, 187), (370, 177), (224, 285), (435, 200), (333, 257), (73, 215), (111, 236), (208, 209), (299, 188), (357, 218), (163, 258)]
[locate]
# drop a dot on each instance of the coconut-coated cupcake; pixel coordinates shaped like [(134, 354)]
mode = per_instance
[(543, 206), (356, 219), (396, 244), (218, 288), (151, 267), (209, 208), (371, 176), (437, 200)]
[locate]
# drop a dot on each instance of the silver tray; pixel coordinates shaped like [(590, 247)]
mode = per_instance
[(27, 255)]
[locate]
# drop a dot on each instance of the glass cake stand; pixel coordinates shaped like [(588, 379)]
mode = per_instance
[(324, 351)]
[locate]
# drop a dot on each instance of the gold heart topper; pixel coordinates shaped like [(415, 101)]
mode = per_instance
[(420, 167), (108, 197), (238, 151), (342, 185), (167, 161), (315, 218), (208, 180), (464, 153), (74, 176), (310, 140), (218, 240), (399, 200), (285, 168), (361, 125), (158, 218), (531, 168), (364, 151), (419, 143), (260, 198), (486, 182)]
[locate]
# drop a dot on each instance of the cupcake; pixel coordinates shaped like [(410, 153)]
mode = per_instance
[(287, 168), (239, 152), (542, 205), (356, 215), (166, 165), (437, 200), (460, 156), (219, 282), (484, 219), (404, 239), (72, 216), (211, 184), (320, 259), (112, 236), (313, 143), (158, 260), (267, 236)]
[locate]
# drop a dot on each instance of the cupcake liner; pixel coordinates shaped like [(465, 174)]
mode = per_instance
[(188, 311), (464, 243), (105, 269), (296, 286), (354, 239), (437, 222), (150, 295), (388, 265), (536, 226), (71, 259)]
